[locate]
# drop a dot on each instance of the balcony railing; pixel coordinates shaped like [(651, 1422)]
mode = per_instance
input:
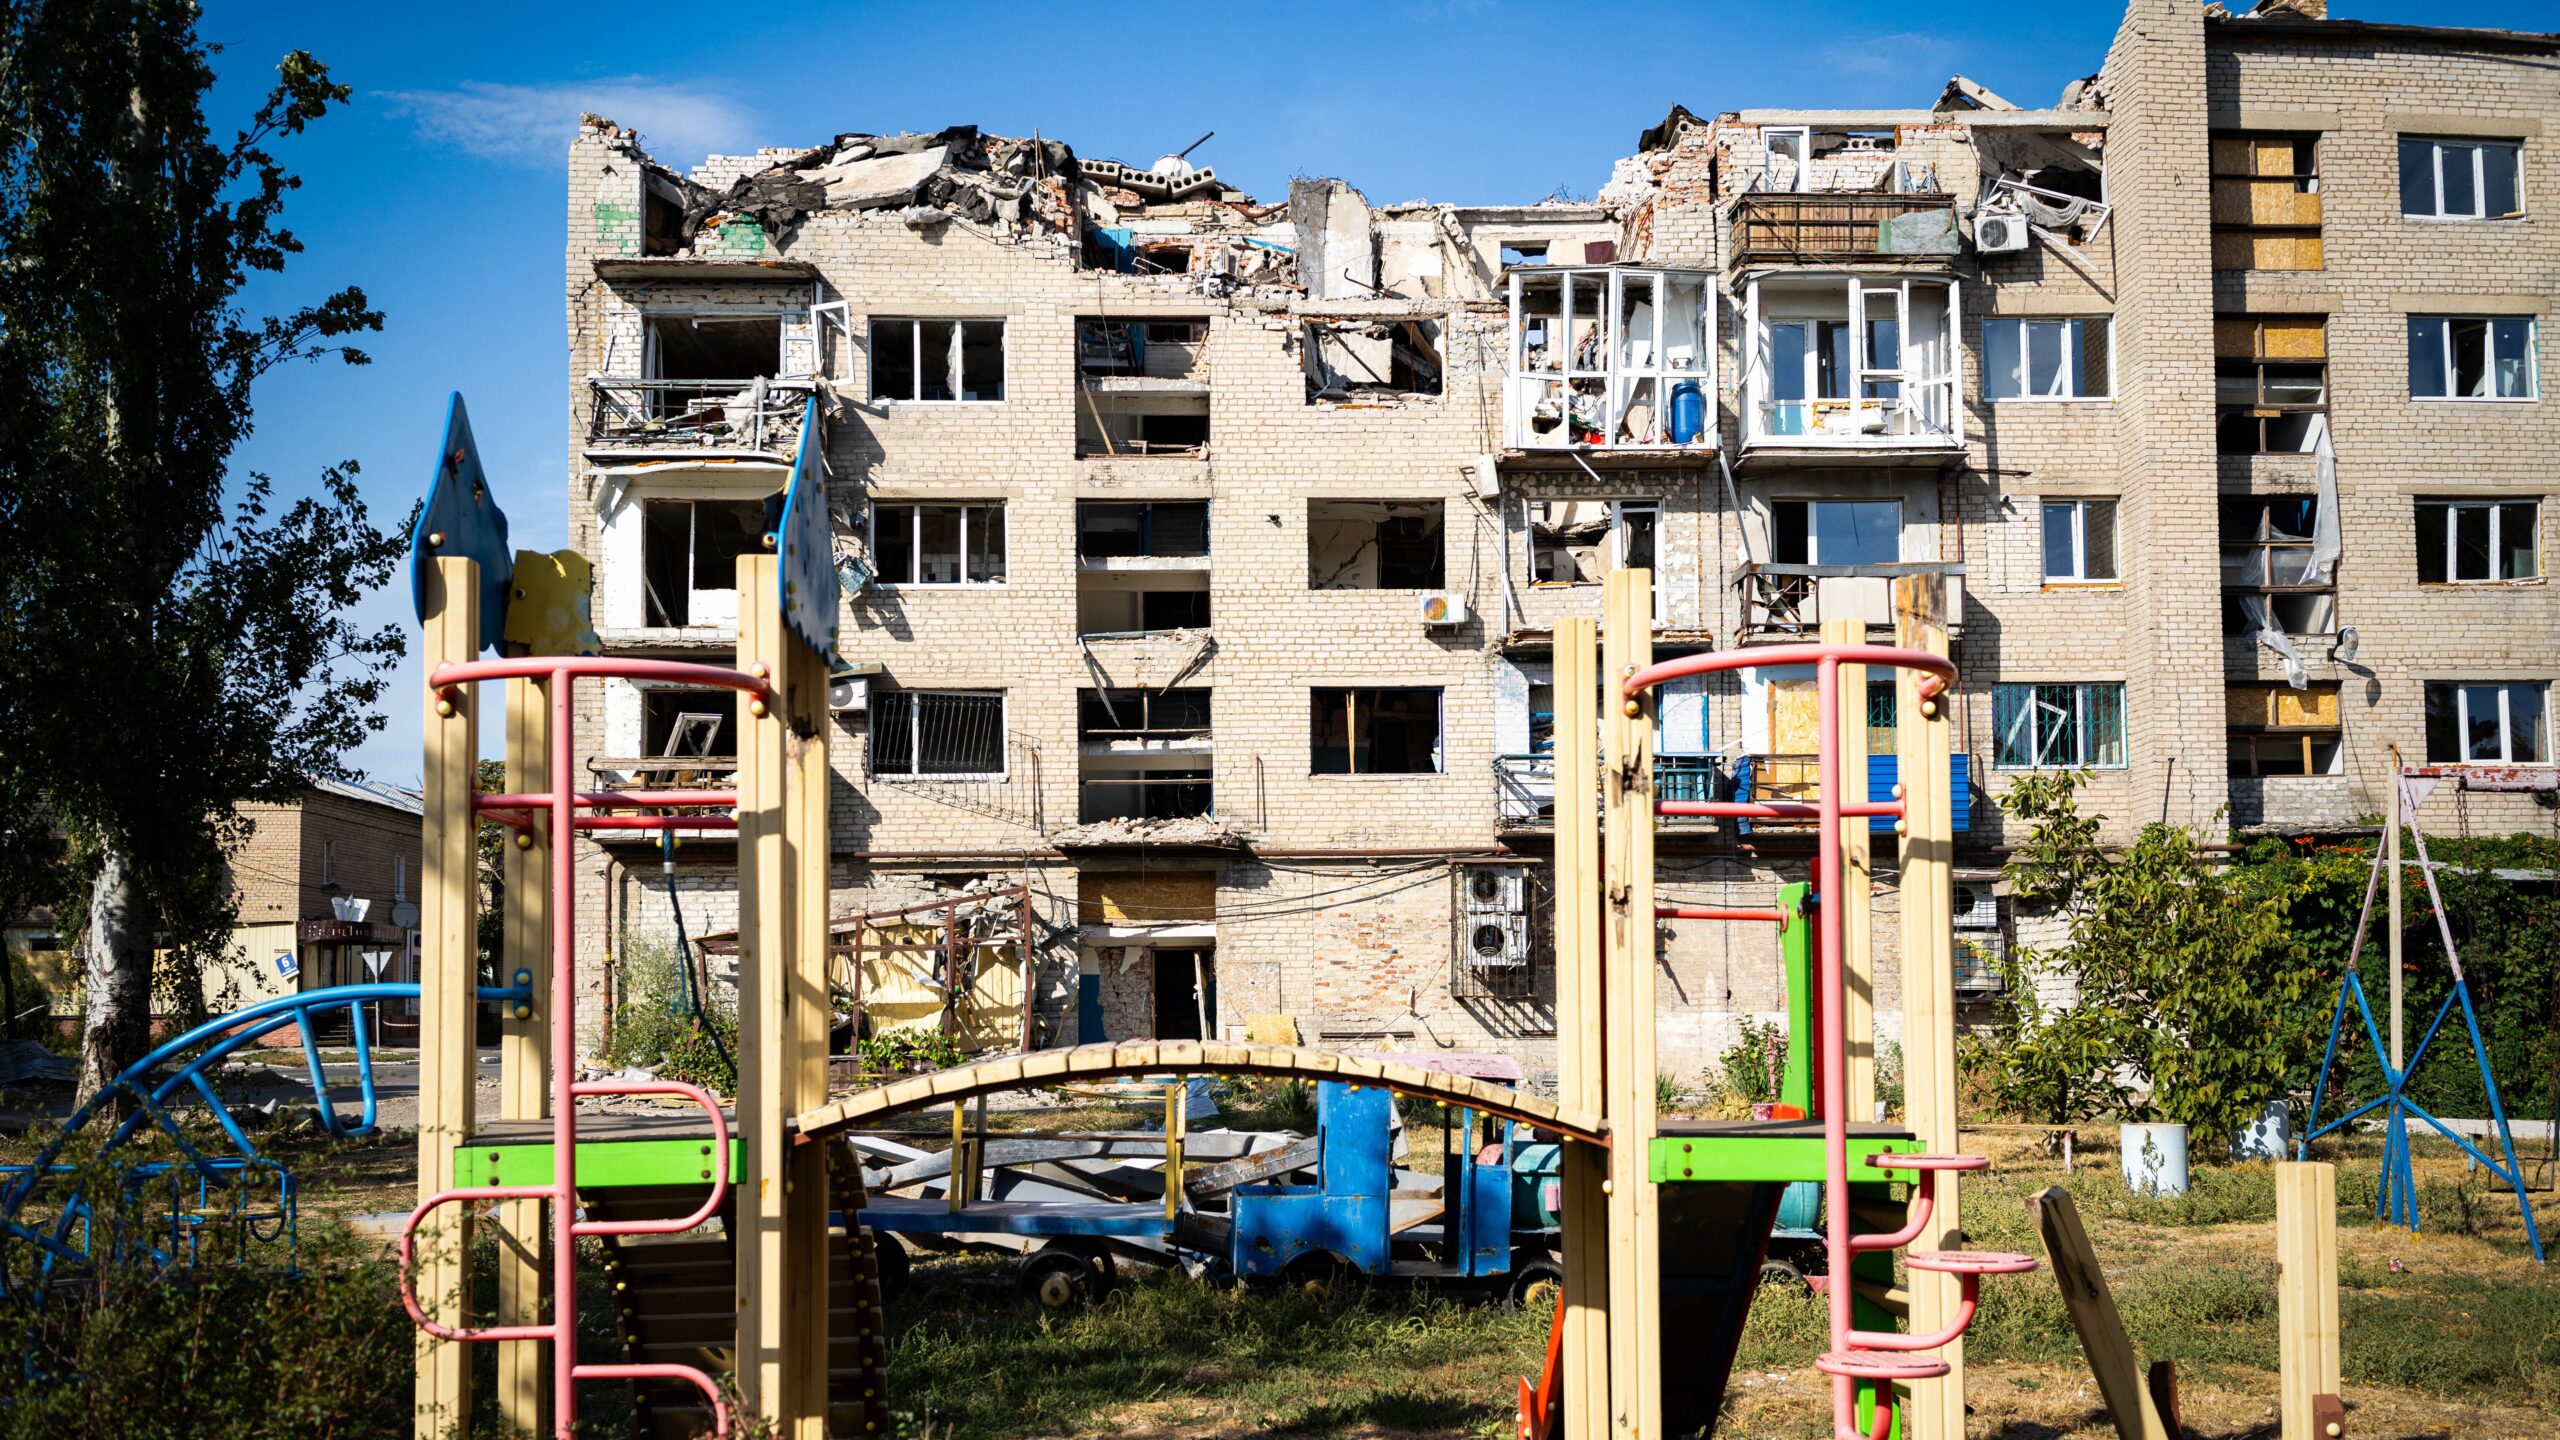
[(759, 413), (1798, 777), (1798, 228), (1524, 787), (1788, 601)]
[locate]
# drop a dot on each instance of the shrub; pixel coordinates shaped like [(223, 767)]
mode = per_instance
[(908, 1052), (1751, 1068), (664, 1025)]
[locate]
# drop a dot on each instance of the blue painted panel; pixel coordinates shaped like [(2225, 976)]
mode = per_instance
[(806, 539), (1351, 1128), (1089, 1009), (1488, 1220), (1276, 1224), (1884, 771), (461, 510)]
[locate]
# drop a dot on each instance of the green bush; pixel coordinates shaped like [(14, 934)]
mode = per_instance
[(662, 1024), (1751, 1068), (908, 1052)]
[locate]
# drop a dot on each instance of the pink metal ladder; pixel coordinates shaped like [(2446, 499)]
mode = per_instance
[(563, 811), (1876, 1357)]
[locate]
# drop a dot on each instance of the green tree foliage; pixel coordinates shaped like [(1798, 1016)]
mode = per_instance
[(2197, 1003), (173, 639)]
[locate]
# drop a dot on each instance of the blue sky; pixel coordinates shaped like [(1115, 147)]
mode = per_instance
[(439, 189)]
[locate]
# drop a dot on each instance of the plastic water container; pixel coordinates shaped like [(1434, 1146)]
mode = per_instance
[(1688, 413), (2155, 1158), (2265, 1140)]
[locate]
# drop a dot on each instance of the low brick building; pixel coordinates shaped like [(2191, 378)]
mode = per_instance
[(1201, 553)]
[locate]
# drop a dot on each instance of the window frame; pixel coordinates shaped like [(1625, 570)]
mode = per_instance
[(1439, 732), (2478, 145), (2080, 695), (2506, 725), (2268, 729), (2496, 506), (915, 544), (2489, 359), (2263, 543), (915, 360), (2304, 182), (2261, 409), (912, 775), (2072, 349), (1813, 530), (2079, 507)]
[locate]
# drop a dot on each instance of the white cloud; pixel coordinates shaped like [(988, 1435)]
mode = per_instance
[(1900, 53), (532, 124)]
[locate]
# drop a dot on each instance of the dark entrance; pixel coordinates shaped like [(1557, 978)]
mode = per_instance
[(1186, 995)]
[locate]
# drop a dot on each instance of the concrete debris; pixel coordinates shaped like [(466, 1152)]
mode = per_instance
[(1199, 830)]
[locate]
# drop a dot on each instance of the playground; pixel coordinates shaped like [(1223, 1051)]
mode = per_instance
[(1240, 1236)]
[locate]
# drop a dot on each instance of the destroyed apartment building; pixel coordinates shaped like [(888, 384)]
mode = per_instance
[(1200, 552)]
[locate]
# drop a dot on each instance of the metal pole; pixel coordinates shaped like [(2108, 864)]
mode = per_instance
[(2391, 843), (564, 1067)]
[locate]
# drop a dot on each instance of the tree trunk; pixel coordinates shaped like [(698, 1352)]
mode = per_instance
[(117, 981)]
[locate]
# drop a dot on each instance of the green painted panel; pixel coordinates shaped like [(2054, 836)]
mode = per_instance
[(1795, 952), (602, 1164), (1678, 1158)]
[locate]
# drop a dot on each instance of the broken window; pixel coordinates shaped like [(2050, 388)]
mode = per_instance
[(2070, 727), (1375, 545), (2460, 179), (1141, 423), (2271, 382), (1835, 532), (1162, 529), (1145, 754), (2488, 723), (694, 362), (689, 558), (2471, 357), (939, 544), (1850, 361), (2269, 579), (1375, 731), (1577, 542), (2079, 542), (1351, 358), (2475, 541), (2045, 359), (2266, 202), (1611, 357), (1523, 252), (937, 360), (1167, 349), (938, 734), (2278, 730), (688, 724)]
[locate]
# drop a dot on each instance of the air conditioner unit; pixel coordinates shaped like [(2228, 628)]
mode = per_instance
[(1495, 890), (849, 694), (1995, 233), (1976, 908), (1442, 608), (1497, 942)]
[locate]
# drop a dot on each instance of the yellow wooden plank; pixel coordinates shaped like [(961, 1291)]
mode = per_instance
[(2083, 1283), (2306, 1292), (1628, 945), (1579, 1061), (1857, 879), (806, 1013), (1923, 735), (766, 924), (448, 969), (524, 1070)]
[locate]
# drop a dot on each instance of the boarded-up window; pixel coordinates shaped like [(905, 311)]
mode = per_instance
[(2271, 382), (2266, 202), (2278, 730)]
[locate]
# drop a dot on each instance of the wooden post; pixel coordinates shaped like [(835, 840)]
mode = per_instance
[(1857, 881), (2093, 1314), (781, 1200), (448, 972), (2306, 1292), (1584, 1367), (1636, 1340), (1924, 742), (524, 1061), (1177, 1125)]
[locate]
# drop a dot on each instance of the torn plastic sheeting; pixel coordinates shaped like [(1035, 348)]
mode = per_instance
[(2263, 620), (2324, 523)]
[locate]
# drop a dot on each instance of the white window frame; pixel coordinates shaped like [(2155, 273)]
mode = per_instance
[(915, 542), (2080, 724), (2068, 375), (2079, 541), (2497, 552), (2506, 724), (951, 358), (2532, 360), (1803, 182), (2479, 177), (1813, 531), (1914, 393), (1004, 721)]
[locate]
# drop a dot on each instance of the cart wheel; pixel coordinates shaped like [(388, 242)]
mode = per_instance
[(889, 1253), (1059, 1279), (1534, 1285), (1784, 1276), (1316, 1274)]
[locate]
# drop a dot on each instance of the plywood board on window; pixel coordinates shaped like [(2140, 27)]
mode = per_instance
[(1157, 897), (2316, 707), (2291, 337)]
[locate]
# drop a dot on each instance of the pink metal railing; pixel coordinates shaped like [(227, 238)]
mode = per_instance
[(561, 808), (1877, 1358)]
